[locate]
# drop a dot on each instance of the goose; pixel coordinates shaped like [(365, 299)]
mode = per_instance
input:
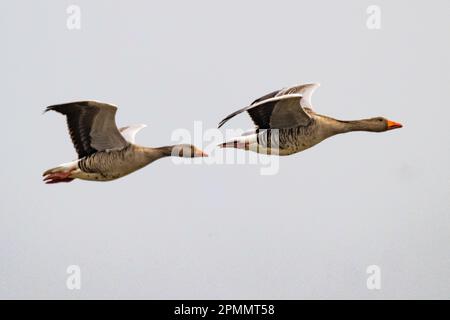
[(286, 124), (106, 152)]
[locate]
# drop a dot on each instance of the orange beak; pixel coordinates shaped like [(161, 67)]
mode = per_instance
[(393, 125)]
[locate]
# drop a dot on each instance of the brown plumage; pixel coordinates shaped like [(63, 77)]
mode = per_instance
[(105, 152), (285, 123)]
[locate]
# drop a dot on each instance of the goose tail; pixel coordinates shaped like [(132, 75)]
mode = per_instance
[(243, 142)]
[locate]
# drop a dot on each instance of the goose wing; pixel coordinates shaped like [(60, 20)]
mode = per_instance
[(276, 113), (129, 132), (92, 126), (306, 90), (283, 108)]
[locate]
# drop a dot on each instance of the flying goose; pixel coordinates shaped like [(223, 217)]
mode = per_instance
[(105, 152), (285, 123)]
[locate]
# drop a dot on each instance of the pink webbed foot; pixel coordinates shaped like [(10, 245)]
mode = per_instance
[(57, 177)]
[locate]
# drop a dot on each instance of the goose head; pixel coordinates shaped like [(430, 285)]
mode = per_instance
[(380, 124), (187, 151), (377, 124)]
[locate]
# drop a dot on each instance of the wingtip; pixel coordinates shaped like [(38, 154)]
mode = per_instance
[(47, 109), (313, 84)]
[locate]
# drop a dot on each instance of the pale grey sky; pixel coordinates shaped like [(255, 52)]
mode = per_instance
[(225, 231)]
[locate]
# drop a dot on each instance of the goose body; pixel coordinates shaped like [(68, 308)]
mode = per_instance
[(285, 123), (105, 152), (109, 164)]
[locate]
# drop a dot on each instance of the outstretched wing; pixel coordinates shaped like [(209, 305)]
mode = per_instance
[(276, 113), (306, 90), (129, 132), (92, 126), (269, 112)]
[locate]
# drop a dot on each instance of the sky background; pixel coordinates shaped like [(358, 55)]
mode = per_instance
[(226, 231)]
